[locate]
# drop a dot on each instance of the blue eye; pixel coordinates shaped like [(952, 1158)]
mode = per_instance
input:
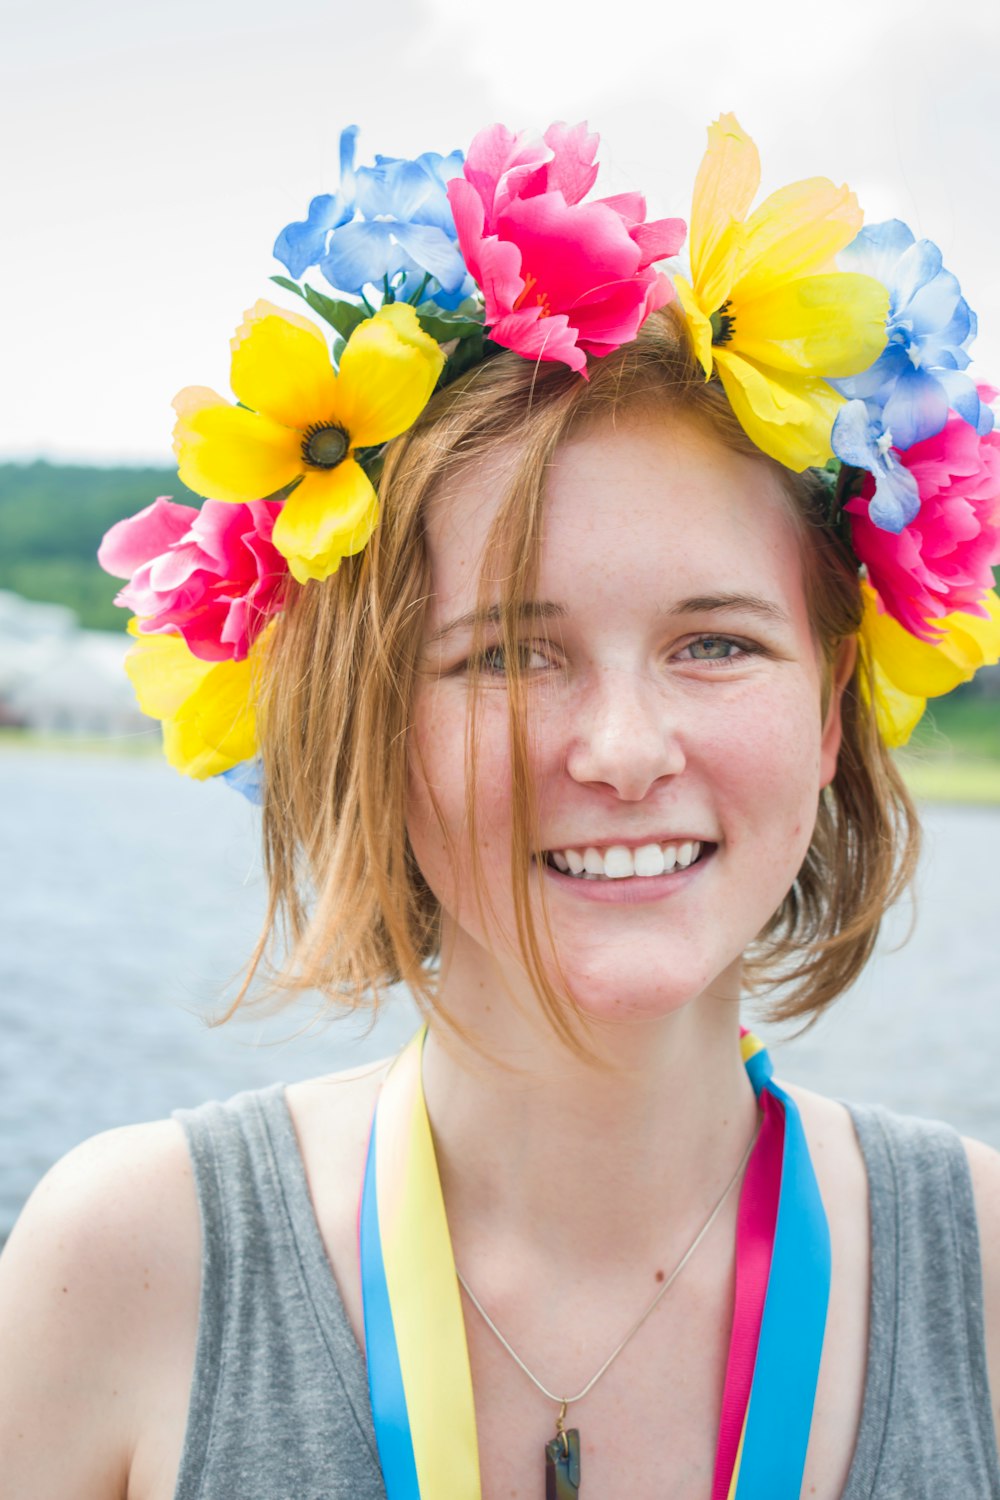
[(717, 645), (493, 661), (721, 648)]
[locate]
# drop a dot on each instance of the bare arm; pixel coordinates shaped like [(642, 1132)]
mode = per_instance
[(984, 1164), (98, 1319)]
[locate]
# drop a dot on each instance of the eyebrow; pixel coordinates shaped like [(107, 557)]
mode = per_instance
[(750, 604), (494, 614), (697, 604)]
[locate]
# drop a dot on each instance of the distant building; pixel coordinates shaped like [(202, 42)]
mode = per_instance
[(57, 678)]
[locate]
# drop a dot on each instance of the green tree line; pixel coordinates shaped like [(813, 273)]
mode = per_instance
[(52, 519)]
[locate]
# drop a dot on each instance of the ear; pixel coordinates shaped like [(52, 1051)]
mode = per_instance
[(847, 653)]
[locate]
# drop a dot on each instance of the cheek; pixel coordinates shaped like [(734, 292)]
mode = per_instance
[(438, 787), (770, 761)]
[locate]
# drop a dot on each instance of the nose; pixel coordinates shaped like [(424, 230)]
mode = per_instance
[(623, 735)]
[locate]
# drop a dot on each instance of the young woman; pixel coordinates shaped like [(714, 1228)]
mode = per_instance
[(585, 746)]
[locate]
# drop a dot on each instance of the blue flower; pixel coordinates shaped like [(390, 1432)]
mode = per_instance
[(247, 777), (860, 438), (921, 373), (389, 226), (303, 243)]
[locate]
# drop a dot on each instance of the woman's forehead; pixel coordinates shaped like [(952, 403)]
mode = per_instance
[(653, 500)]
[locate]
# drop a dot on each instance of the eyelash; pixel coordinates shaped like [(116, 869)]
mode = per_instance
[(743, 649)]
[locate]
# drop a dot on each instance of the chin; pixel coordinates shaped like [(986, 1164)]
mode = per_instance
[(650, 985)]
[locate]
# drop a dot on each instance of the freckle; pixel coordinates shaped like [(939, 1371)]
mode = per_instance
[(659, 1275), (146, 1286)]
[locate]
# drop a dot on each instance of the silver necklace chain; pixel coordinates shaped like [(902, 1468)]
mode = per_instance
[(565, 1401)]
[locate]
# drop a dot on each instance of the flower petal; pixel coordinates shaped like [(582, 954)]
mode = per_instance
[(138, 539), (659, 239), (217, 726), (229, 453), (248, 778), (363, 254), (897, 714), (896, 499), (788, 416), (918, 265), (207, 708), (434, 251), (572, 170), (387, 373), (495, 265), (917, 408), (930, 669), (281, 367), (301, 244), (723, 191), (163, 672), (535, 337), (699, 326), (851, 437), (875, 250), (797, 231), (327, 517), (820, 325)]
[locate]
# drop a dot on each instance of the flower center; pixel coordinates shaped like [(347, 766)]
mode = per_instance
[(540, 298), (325, 445), (722, 323)]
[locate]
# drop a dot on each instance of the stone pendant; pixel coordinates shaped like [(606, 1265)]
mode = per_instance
[(562, 1466)]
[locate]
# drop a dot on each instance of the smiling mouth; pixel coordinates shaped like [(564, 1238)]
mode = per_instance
[(619, 862)]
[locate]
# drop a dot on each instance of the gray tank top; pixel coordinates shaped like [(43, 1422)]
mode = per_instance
[(279, 1401)]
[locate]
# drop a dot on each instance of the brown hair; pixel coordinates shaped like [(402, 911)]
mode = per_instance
[(348, 907)]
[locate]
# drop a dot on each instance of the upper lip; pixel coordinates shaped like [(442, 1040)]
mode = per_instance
[(609, 841)]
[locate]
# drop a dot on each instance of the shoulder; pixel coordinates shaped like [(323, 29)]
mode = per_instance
[(984, 1167), (99, 1287)]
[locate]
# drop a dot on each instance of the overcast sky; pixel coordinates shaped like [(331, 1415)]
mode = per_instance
[(153, 153)]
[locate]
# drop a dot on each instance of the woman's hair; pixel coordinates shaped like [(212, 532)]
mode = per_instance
[(349, 911)]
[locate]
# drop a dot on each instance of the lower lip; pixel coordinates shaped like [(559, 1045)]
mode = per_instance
[(633, 890)]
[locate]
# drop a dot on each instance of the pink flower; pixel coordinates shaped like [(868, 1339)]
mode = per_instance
[(561, 278), (210, 575), (943, 560)]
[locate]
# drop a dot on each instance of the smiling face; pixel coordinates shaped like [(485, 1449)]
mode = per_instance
[(672, 690)]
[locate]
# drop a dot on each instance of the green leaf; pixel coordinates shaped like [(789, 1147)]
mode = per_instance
[(470, 351), (444, 325), (343, 316), (290, 286)]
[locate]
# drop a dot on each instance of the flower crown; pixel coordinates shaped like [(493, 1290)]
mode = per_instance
[(839, 347)]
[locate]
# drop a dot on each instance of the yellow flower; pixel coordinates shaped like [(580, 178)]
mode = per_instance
[(906, 671), (300, 422), (207, 708), (765, 305)]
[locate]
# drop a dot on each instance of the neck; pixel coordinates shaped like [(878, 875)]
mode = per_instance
[(588, 1164)]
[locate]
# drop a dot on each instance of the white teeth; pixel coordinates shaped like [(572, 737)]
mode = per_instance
[(649, 860), (619, 862)]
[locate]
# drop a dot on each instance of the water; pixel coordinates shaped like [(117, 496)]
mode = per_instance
[(130, 897)]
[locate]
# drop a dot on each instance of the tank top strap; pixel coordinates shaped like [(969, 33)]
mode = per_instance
[(927, 1423), (279, 1399)]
